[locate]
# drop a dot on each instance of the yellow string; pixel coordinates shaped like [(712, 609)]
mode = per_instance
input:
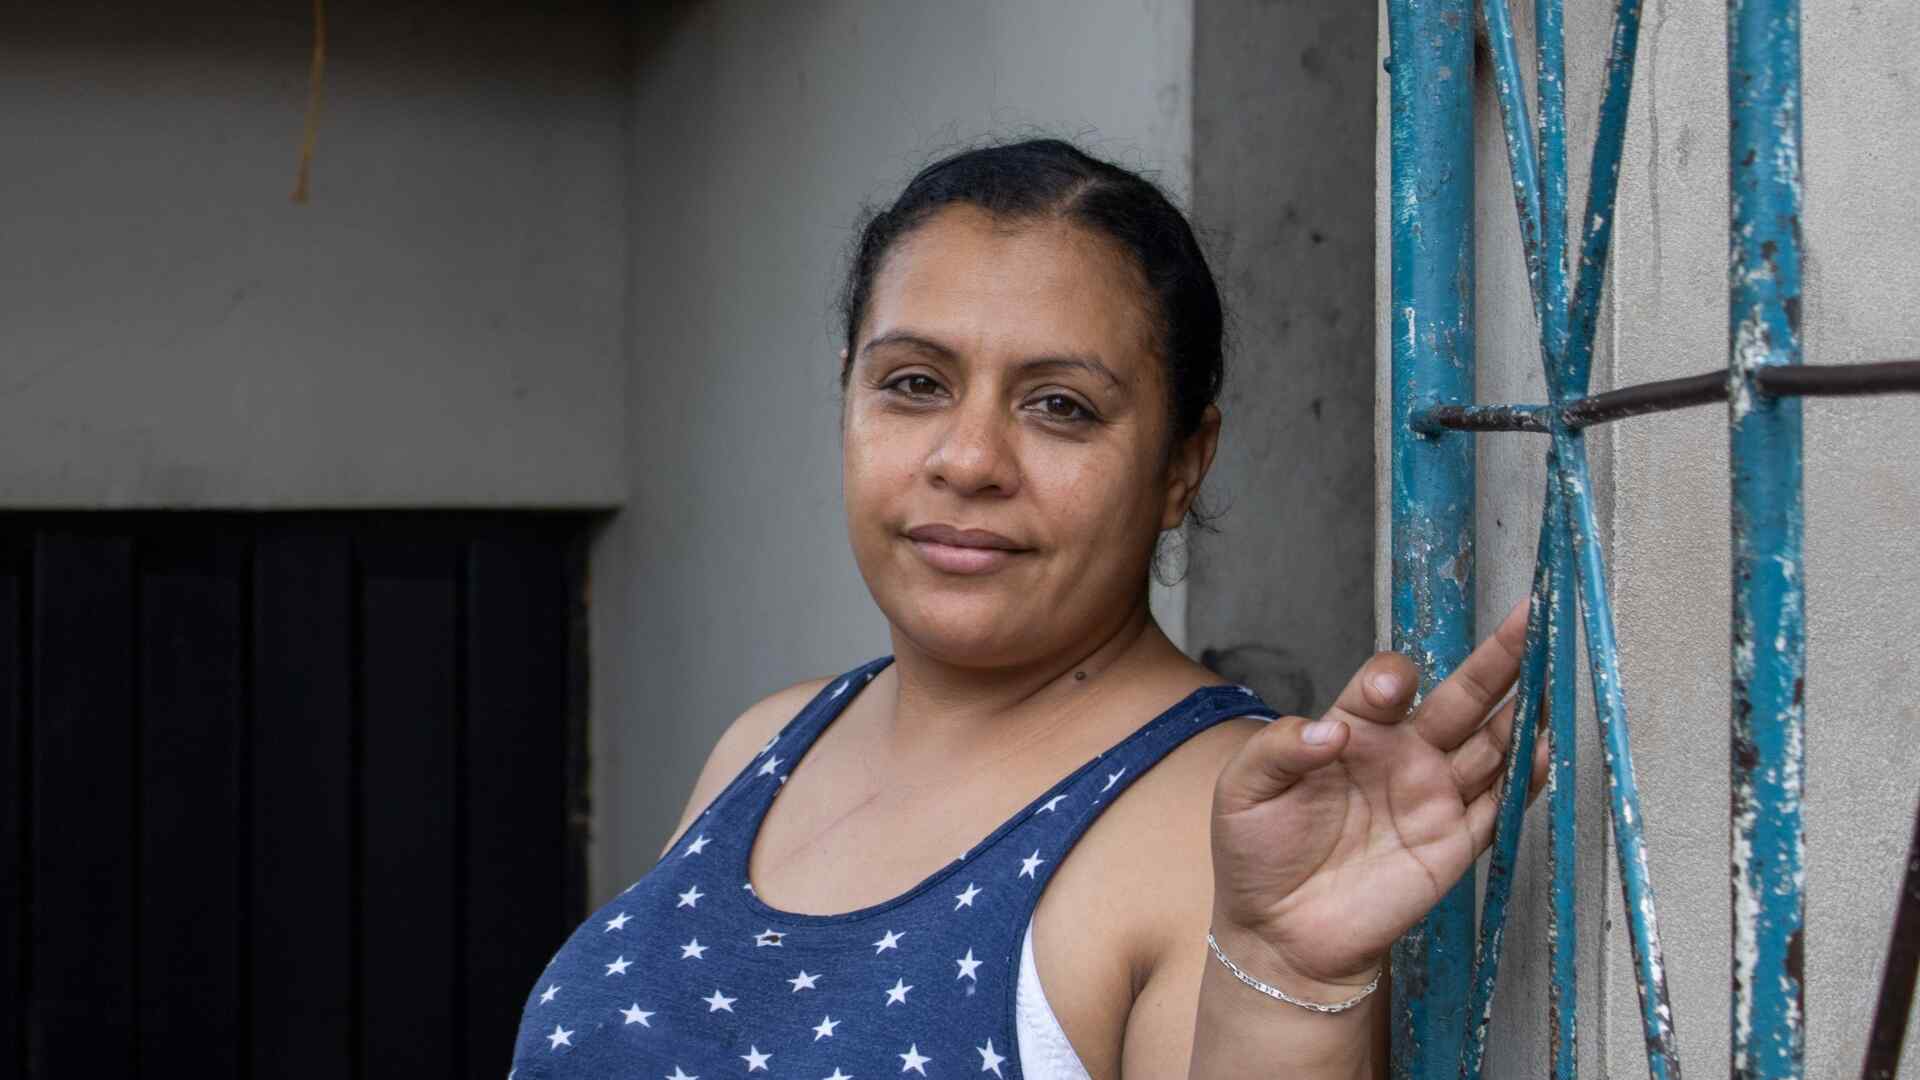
[(313, 100)]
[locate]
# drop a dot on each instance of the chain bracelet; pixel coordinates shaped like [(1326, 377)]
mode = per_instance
[(1276, 992)]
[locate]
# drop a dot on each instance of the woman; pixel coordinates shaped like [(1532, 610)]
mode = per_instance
[(1002, 850)]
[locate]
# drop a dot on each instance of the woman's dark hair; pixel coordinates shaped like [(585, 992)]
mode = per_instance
[(1047, 177)]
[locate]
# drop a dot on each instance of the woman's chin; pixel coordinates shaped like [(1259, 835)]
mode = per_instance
[(964, 636)]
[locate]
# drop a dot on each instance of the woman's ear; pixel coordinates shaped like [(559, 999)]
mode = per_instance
[(1187, 466)]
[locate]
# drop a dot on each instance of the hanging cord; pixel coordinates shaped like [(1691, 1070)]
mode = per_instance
[(313, 100)]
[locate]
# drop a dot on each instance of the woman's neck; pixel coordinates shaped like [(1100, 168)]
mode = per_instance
[(968, 716)]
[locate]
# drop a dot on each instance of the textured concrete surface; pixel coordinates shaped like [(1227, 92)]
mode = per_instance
[(1663, 487), (1281, 597), (441, 325)]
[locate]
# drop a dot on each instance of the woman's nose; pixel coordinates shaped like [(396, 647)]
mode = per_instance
[(974, 455)]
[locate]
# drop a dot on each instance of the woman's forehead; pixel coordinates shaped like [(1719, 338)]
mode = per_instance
[(981, 285)]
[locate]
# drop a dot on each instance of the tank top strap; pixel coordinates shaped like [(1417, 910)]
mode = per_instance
[(740, 804), (1053, 824)]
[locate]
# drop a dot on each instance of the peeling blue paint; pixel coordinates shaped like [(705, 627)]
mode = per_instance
[(1432, 349), (1769, 646)]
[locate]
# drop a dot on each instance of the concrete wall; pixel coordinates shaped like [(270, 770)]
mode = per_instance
[(441, 325), (1663, 503), (1281, 597), (760, 128)]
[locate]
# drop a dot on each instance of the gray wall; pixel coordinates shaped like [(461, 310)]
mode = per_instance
[(759, 130), (1663, 502), (1281, 597), (441, 325)]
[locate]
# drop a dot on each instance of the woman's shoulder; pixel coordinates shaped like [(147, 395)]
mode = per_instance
[(741, 740)]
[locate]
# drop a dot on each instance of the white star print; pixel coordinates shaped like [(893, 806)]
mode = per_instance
[(1031, 863), (619, 966), (838, 690), (989, 1061), (824, 1028), (719, 1002), (769, 936), (966, 898), (747, 886), (1051, 803), (914, 1060), (891, 941), (767, 767), (693, 949), (838, 1075), (803, 981), (699, 843), (1113, 776), (548, 995), (967, 964), (634, 1015), (755, 1059), (560, 1037), (898, 994), (690, 898), (770, 742), (678, 1075), (618, 922)]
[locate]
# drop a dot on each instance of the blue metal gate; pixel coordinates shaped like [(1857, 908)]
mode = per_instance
[(1444, 969)]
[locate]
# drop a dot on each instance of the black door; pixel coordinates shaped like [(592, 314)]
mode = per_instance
[(285, 795)]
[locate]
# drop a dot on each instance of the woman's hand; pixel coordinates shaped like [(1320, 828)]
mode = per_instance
[(1331, 838)]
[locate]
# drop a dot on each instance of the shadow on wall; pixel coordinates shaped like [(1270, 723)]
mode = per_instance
[(1278, 676)]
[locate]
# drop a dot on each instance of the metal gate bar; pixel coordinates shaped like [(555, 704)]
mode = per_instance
[(1442, 1011)]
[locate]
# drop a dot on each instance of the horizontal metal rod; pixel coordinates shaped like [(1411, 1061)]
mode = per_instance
[(1841, 380), (1784, 380), (1441, 418)]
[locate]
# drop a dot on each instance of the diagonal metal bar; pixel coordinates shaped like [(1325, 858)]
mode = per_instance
[(1896, 981), (1656, 1014), (1563, 926), (1769, 638), (1513, 805), (1511, 91), (1550, 80), (1567, 361), (1602, 185), (1567, 373)]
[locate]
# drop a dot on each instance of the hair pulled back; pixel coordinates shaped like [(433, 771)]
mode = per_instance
[(1048, 177)]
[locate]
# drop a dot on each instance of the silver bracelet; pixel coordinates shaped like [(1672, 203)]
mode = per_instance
[(1276, 992)]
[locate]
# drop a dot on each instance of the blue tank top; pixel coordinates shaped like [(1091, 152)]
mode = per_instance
[(687, 974)]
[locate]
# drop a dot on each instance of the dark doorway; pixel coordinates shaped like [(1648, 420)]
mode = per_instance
[(285, 795)]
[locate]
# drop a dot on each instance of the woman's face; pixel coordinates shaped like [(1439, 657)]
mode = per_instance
[(1007, 467)]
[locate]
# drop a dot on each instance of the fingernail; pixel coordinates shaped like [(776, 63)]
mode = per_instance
[(1319, 731), (1386, 685)]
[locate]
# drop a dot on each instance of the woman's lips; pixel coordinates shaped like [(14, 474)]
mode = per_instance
[(962, 551)]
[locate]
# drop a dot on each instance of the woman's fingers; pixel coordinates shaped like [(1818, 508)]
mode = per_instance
[(1484, 809), (1379, 691), (1277, 758), (1480, 761), (1454, 709)]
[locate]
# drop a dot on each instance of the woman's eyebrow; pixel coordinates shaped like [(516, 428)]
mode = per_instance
[(909, 339), (1088, 364)]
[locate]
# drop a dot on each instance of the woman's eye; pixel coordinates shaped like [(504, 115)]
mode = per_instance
[(1062, 407), (915, 385)]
